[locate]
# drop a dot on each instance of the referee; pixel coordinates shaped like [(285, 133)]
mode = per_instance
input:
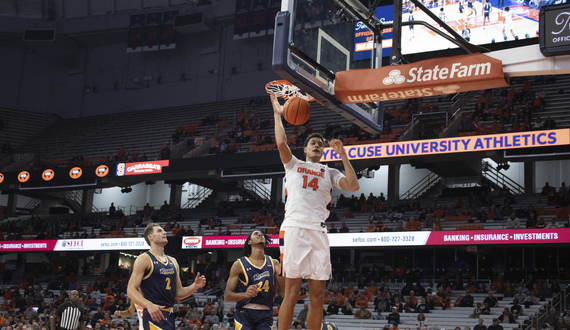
[(69, 315)]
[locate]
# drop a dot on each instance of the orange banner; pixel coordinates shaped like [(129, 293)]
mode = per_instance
[(447, 75)]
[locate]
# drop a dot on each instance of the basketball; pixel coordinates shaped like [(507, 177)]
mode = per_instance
[(296, 111)]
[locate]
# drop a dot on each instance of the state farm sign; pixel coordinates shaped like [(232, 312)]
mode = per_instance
[(438, 76)]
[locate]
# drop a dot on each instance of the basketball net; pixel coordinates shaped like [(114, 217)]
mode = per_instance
[(286, 90)]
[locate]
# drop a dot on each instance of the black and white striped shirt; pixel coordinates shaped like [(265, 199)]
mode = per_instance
[(69, 316)]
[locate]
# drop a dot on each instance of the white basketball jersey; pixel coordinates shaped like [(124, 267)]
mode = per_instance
[(508, 18), (308, 188)]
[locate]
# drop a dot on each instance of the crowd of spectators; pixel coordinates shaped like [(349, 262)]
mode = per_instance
[(482, 205), (500, 206), (114, 223), (509, 109), (26, 305)]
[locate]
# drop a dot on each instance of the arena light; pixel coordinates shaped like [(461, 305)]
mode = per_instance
[(503, 166)]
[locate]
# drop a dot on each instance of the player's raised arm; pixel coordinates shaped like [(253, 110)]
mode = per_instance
[(185, 291), (350, 182), (231, 295), (280, 135)]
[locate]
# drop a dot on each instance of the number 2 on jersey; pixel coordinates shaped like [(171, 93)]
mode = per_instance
[(314, 184), (168, 284)]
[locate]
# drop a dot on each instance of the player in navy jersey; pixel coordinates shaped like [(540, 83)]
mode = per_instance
[(157, 276), (487, 8), (252, 284)]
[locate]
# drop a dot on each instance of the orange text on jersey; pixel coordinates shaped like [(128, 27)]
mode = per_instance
[(310, 172)]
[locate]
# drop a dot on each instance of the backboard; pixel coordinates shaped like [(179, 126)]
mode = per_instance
[(313, 41)]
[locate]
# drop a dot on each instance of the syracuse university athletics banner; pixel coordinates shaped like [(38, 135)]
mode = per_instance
[(549, 138), (447, 75)]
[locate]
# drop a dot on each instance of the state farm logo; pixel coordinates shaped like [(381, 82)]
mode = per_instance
[(421, 74), (421, 79), (192, 242), (447, 89), (395, 76)]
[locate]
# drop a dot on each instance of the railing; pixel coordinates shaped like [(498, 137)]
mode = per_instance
[(459, 101), (76, 196), (495, 176), (408, 129), (416, 117), (421, 186), (32, 204), (558, 302), (29, 207), (566, 296), (194, 199), (258, 188)]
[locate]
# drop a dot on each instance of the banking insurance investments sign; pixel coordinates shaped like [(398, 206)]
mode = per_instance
[(439, 76)]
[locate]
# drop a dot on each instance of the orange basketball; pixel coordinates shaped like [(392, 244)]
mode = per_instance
[(296, 111)]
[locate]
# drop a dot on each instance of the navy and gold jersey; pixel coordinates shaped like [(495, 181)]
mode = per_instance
[(262, 277), (159, 284)]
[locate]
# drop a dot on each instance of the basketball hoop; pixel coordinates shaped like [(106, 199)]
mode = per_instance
[(286, 90)]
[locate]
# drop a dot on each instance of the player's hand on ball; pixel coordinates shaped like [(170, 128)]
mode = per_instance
[(277, 108), (251, 291)]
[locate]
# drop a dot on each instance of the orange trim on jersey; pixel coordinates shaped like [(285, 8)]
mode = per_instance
[(281, 234)]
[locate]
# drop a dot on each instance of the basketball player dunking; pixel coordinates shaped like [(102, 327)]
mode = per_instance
[(303, 238), (252, 282), (157, 277)]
